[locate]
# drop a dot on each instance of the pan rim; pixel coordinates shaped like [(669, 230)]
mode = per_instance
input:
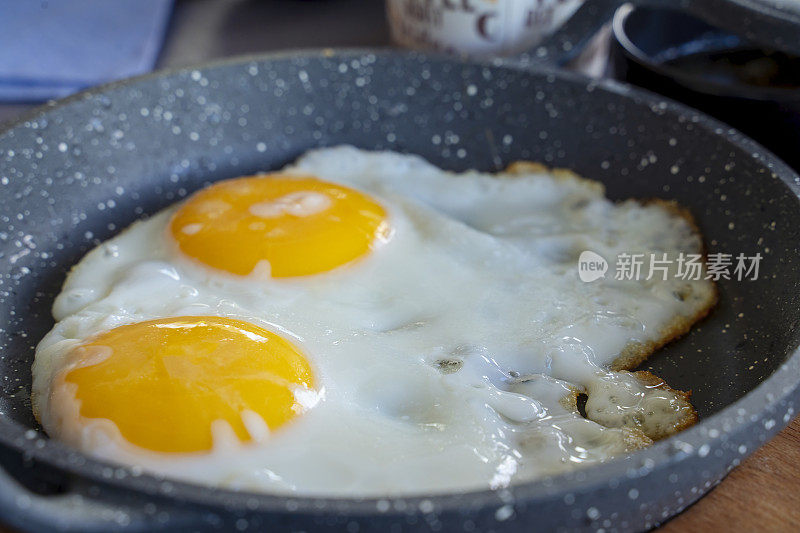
[(663, 454)]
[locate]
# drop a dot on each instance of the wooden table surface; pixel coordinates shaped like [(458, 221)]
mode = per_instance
[(762, 494)]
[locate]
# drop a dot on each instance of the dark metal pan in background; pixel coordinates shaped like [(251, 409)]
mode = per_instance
[(772, 24), (726, 76), (150, 141)]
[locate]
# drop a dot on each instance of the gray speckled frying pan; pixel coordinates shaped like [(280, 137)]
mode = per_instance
[(79, 171)]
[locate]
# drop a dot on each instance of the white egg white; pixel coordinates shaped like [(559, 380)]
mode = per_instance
[(442, 358)]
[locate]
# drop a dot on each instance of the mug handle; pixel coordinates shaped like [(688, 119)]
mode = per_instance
[(567, 41)]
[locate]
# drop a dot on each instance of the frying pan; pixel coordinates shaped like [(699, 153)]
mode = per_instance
[(150, 141)]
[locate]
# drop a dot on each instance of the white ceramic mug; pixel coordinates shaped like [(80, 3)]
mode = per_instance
[(476, 27)]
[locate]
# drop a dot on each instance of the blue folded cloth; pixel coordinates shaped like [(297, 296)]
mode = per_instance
[(51, 48)]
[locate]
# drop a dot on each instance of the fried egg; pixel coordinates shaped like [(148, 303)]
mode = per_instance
[(365, 323)]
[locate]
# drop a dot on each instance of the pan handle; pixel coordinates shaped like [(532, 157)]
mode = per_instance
[(27, 511), (84, 507), (567, 42)]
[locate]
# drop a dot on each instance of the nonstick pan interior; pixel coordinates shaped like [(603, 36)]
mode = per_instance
[(80, 172)]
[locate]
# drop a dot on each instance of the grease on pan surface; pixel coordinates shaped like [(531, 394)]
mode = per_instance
[(437, 340)]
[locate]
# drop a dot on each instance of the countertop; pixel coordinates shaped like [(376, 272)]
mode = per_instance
[(763, 493)]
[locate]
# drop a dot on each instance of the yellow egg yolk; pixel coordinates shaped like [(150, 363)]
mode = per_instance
[(164, 382), (283, 225)]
